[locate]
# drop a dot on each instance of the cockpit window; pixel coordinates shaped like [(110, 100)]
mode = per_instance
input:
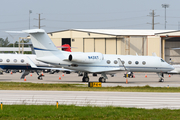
[(162, 60)]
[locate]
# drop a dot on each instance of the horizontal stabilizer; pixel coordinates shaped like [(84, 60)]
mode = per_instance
[(175, 48), (28, 31), (45, 68)]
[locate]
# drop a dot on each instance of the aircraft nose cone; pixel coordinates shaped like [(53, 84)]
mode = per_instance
[(171, 67)]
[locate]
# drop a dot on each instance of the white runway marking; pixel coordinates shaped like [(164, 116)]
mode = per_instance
[(123, 99)]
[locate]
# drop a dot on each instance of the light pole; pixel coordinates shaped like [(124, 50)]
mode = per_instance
[(30, 11), (165, 6)]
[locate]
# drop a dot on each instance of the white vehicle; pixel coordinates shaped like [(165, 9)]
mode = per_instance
[(93, 62)]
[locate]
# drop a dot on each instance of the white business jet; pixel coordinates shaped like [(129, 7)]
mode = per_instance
[(93, 62), (21, 62)]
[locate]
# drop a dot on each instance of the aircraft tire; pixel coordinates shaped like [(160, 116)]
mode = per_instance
[(161, 80), (100, 79), (103, 80), (85, 79), (39, 78)]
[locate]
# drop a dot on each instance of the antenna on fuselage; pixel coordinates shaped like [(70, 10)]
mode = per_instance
[(154, 54)]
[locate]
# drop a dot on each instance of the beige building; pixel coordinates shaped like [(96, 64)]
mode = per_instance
[(121, 42)]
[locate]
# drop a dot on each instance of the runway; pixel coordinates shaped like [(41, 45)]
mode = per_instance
[(82, 98), (73, 78)]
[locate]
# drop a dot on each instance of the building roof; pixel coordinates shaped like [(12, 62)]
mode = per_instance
[(120, 32), (14, 49)]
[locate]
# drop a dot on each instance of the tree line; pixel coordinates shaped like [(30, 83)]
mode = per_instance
[(6, 43)]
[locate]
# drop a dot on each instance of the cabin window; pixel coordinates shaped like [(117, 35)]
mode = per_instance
[(122, 62), (22, 60), (115, 61), (15, 60), (108, 61), (143, 62), (8, 60), (1, 60), (136, 62), (129, 62), (162, 60)]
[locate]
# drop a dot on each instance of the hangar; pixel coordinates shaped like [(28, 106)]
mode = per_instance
[(121, 42), (170, 46)]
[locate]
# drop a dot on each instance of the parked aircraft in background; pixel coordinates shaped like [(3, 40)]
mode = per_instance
[(176, 70), (94, 62), (20, 62)]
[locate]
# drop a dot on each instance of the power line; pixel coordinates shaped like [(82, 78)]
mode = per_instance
[(131, 18), (14, 21)]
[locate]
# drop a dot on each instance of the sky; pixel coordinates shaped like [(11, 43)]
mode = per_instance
[(86, 14)]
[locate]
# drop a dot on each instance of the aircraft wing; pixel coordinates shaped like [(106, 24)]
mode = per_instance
[(34, 66), (173, 72), (175, 48)]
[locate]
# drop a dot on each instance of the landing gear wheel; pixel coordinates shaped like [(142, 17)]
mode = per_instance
[(85, 79), (102, 79), (39, 78), (161, 80)]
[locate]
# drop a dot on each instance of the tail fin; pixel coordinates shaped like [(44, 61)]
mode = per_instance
[(43, 45)]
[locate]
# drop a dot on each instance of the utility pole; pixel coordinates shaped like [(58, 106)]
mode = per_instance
[(39, 26), (30, 11), (165, 6), (152, 14)]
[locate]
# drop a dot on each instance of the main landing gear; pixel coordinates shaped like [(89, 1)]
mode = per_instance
[(101, 79), (161, 76), (85, 77), (40, 76)]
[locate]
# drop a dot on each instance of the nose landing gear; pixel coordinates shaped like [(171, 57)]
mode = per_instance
[(161, 76)]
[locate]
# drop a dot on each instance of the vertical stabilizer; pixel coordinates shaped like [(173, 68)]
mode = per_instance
[(43, 45)]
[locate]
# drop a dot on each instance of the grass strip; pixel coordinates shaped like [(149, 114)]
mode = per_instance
[(81, 87), (64, 112)]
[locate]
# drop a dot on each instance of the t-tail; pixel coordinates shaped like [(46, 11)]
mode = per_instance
[(43, 45)]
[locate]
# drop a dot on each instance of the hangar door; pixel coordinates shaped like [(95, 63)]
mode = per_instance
[(170, 52)]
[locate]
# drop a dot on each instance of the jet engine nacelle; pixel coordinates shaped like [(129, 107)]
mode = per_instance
[(86, 57)]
